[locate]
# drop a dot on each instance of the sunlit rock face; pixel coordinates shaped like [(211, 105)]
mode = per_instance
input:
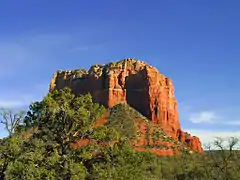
[(134, 82)]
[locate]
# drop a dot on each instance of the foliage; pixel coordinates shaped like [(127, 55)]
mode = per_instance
[(78, 73), (11, 120), (122, 118), (136, 64), (61, 118), (42, 146), (121, 162)]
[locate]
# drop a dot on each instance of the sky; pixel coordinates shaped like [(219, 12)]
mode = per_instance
[(195, 43)]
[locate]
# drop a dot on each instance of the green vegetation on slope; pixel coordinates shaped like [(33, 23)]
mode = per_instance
[(41, 147), (123, 118)]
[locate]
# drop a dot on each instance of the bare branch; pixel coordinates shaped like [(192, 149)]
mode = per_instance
[(10, 119)]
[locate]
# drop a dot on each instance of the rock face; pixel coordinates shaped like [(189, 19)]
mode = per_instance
[(134, 82)]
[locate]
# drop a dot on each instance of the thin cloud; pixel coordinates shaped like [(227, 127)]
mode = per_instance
[(211, 117), (19, 57), (12, 56), (203, 117), (17, 100), (12, 104), (235, 122), (13, 99), (36, 51), (82, 48), (87, 47)]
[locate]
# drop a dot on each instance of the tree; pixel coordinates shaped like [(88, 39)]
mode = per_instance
[(11, 120), (49, 146), (10, 149), (64, 118), (223, 158)]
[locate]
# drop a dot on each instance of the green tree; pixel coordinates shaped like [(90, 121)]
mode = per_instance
[(122, 162), (62, 119), (10, 149), (46, 144)]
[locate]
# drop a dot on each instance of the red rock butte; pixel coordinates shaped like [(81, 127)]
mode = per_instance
[(134, 82)]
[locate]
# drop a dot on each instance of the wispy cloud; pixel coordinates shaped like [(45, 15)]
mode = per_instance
[(12, 56), (13, 104), (18, 56), (17, 99), (234, 122), (213, 115), (88, 47), (30, 58), (203, 117), (26, 52), (82, 48)]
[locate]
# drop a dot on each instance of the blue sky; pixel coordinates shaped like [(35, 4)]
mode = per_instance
[(196, 43)]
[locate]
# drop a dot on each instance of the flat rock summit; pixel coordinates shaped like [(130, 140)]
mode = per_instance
[(135, 83)]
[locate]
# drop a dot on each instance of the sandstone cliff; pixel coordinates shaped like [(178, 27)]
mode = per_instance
[(134, 82)]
